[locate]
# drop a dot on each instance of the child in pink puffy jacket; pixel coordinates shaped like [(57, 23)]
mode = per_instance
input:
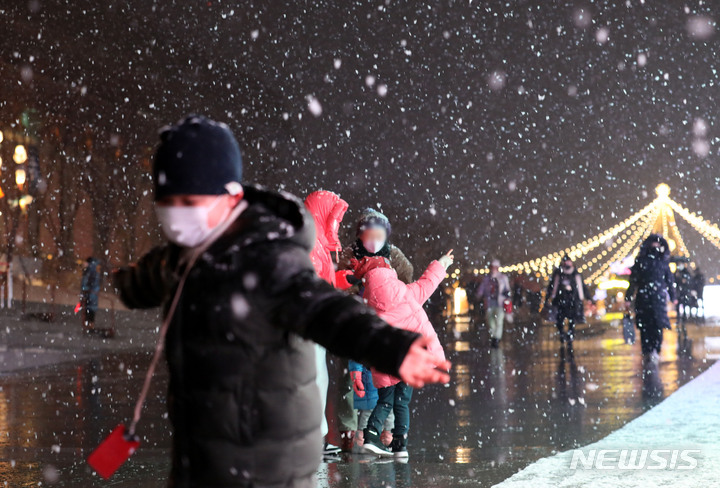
[(401, 305)]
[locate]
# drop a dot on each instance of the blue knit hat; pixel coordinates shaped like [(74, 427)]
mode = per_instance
[(370, 218), (198, 156)]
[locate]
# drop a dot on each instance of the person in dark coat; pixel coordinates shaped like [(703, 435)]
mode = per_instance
[(651, 284), (567, 294), (698, 288), (242, 398), (683, 291), (90, 292)]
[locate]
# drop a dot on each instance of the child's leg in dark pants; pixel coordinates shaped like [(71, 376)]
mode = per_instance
[(403, 394), (386, 401)]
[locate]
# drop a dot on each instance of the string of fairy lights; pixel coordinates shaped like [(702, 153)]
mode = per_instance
[(623, 240), (545, 264)]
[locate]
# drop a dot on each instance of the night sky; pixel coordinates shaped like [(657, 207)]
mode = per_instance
[(506, 129)]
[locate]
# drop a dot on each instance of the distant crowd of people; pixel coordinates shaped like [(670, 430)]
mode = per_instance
[(651, 286)]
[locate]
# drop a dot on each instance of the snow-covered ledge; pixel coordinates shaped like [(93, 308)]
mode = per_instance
[(675, 444)]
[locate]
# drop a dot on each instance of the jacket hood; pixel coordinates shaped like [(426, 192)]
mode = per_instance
[(327, 210), (645, 248), (367, 264), (383, 290), (270, 216)]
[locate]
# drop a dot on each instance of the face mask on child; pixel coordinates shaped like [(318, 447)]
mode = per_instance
[(187, 225), (374, 245)]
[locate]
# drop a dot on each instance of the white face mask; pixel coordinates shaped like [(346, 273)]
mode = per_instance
[(374, 245), (187, 225)]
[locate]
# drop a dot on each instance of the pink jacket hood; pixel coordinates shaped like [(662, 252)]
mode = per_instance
[(401, 306), (327, 210)]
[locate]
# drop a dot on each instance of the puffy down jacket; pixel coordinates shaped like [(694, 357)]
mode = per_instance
[(401, 305)]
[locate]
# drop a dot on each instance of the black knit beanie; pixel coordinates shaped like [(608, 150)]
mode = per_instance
[(198, 156)]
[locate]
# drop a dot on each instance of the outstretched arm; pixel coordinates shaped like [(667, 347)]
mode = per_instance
[(428, 282), (148, 283), (300, 302)]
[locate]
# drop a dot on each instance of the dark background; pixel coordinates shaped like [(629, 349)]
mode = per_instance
[(574, 137)]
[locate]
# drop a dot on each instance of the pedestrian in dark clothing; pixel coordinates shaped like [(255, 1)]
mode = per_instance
[(90, 292), (698, 288), (566, 294), (242, 398), (651, 284), (518, 291), (683, 291)]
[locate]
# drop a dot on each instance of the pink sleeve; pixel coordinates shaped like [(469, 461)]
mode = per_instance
[(428, 282)]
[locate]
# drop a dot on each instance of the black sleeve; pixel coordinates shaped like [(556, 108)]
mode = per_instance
[(298, 301), (148, 283), (632, 287)]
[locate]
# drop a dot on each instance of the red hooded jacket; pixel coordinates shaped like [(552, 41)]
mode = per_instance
[(327, 210)]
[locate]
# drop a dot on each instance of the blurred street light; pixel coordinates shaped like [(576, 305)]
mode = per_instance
[(24, 201), (1, 136), (20, 155), (20, 177)]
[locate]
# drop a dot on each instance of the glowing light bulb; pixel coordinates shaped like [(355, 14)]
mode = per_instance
[(663, 190)]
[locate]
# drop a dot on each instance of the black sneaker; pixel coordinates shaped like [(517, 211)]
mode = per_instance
[(330, 450), (373, 444), (399, 446)]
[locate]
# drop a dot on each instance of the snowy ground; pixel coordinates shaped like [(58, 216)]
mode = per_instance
[(688, 420)]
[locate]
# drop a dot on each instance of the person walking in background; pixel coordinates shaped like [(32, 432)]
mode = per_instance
[(683, 292), (327, 210), (534, 294), (241, 296), (698, 289), (494, 290), (518, 291), (566, 294), (372, 240), (90, 292), (651, 284), (402, 306)]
